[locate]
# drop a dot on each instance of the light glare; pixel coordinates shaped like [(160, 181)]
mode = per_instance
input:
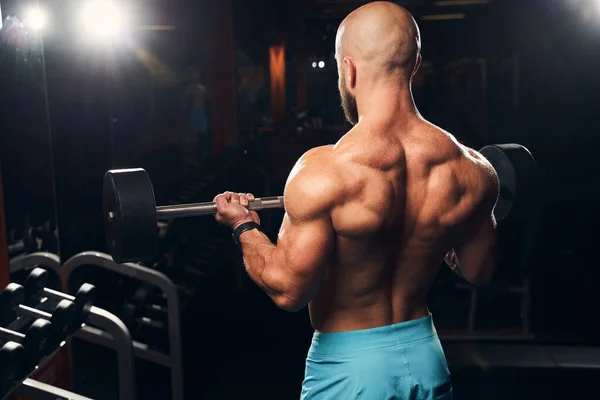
[(321, 64), (35, 19), (102, 18)]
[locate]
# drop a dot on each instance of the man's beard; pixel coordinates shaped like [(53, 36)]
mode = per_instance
[(349, 105)]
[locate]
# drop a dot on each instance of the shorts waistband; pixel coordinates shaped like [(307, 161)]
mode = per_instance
[(370, 339)]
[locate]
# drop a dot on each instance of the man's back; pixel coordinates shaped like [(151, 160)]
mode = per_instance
[(409, 194), (368, 222)]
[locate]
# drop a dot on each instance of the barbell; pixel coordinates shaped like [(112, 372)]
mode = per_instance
[(131, 215)]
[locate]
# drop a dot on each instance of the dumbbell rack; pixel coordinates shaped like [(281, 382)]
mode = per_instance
[(46, 260), (120, 335), (32, 239), (40, 391), (173, 360), (103, 327)]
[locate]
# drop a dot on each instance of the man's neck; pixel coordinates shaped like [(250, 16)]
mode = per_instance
[(387, 104)]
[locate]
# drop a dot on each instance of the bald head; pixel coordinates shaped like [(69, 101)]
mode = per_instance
[(381, 36), (376, 43)]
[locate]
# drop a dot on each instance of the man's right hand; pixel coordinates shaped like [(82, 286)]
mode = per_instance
[(452, 260)]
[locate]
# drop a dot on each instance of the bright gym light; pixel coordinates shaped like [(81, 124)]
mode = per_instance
[(314, 64), (321, 64), (103, 18), (35, 19)]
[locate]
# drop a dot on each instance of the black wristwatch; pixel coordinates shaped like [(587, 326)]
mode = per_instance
[(246, 226)]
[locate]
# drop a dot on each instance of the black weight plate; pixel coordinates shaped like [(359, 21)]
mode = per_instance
[(10, 297), (63, 319), (519, 179), (37, 341), (84, 300), (506, 175), (527, 175), (35, 282), (130, 215), (11, 365)]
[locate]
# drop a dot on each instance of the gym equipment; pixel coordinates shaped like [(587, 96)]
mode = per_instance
[(172, 359), (33, 239), (148, 329), (10, 298), (146, 316), (62, 318), (35, 285), (131, 214), (11, 357), (35, 344), (151, 312), (519, 177), (32, 389), (101, 327)]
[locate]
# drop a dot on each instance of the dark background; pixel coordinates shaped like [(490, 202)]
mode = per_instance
[(509, 71)]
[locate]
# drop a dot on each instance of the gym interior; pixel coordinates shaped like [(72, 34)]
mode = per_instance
[(206, 96)]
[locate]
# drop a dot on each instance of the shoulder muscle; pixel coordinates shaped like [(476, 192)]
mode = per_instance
[(313, 186)]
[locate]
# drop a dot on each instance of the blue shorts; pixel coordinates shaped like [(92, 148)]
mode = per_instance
[(400, 361)]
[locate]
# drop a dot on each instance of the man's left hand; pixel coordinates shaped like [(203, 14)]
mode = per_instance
[(232, 209)]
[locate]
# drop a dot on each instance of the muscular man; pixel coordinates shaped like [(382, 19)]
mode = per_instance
[(368, 222)]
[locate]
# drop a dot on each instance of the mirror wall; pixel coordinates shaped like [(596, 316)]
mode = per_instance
[(25, 146)]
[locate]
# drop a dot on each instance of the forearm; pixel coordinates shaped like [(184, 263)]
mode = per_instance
[(259, 256)]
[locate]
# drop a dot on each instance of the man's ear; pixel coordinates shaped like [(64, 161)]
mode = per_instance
[(350, 72)]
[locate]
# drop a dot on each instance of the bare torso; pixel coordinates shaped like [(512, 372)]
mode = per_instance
[(407, 193)]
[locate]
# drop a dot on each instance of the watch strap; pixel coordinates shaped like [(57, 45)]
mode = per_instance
[(246, 226)]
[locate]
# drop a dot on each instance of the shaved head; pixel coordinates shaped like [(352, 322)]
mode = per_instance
[(378, 43)]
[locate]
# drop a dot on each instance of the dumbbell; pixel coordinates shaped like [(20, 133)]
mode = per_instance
[(32, 239), (18, 248), (149, 330), (35, 286), (62, 318), (149, 314), (11, 358), (35, 342)]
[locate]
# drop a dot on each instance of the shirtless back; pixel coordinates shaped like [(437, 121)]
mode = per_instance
[(407, 195), (368, 222)]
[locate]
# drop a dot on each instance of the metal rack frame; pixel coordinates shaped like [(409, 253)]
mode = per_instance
[(117, 334), (24, 261), (41, 391), (173, 360), (112, 333)]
